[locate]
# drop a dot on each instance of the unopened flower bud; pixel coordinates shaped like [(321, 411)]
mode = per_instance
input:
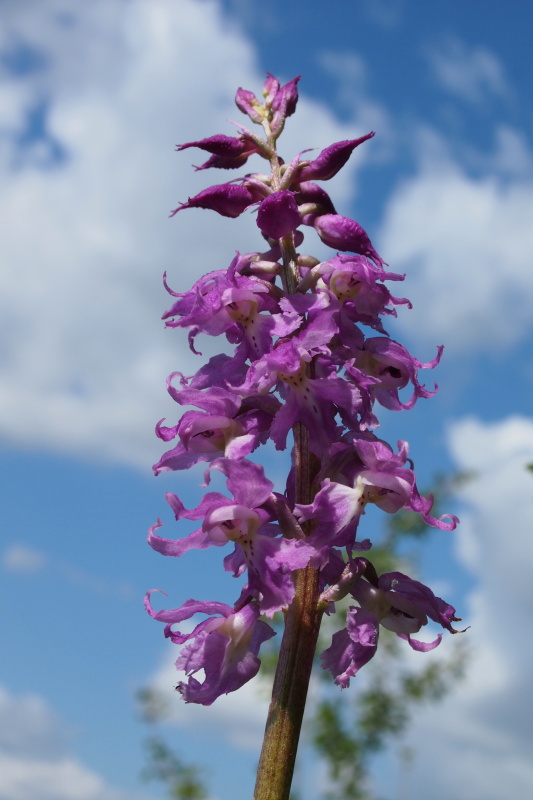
[(278, 215), (227, 199), (343, 233), (284, 105), (248, 103), (270, 89), (331, 160)]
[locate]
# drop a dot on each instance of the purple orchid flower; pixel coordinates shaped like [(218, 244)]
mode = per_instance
[(313, 201), (224, 646), (356, 283), (400, 604), (226, 302), (248, 103), (365, 472), (314, 401), (394, 367), (270, 89), (228, 426), (247, 521), (352, 647)]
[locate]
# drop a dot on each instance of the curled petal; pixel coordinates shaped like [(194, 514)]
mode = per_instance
[(352, 647), (421, 647), (225, 647)]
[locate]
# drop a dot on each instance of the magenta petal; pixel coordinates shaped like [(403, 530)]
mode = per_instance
[(421, 647), (246, 481), (225, 647), (352, 647), (187, 610), (198, 540)]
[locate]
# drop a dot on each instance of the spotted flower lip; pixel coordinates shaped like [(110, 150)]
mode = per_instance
[(223, 301), (225, 646), (352, 647)]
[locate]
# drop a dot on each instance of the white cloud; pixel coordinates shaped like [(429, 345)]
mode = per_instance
[(21, 558), (464, 243), (34, 758), (476, 744), (29, 727), (386, 13), (472, 73), (86, 240)]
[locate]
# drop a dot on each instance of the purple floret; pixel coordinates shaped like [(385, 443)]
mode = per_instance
[(224, 646)]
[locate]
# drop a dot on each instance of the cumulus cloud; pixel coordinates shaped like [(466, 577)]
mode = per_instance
[(25, 560), (472, 73), (85, 199), (34, 757), (21, 558), (476, 745), (464, 243)]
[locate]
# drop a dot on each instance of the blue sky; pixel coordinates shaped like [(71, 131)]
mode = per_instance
[(93, 98)]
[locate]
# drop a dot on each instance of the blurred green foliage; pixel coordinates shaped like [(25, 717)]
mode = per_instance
[(182, 780)]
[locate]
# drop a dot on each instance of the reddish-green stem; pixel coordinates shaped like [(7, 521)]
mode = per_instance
[(302, 622), (276, 765)]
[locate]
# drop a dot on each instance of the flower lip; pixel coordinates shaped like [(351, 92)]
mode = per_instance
[(231, 522)]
